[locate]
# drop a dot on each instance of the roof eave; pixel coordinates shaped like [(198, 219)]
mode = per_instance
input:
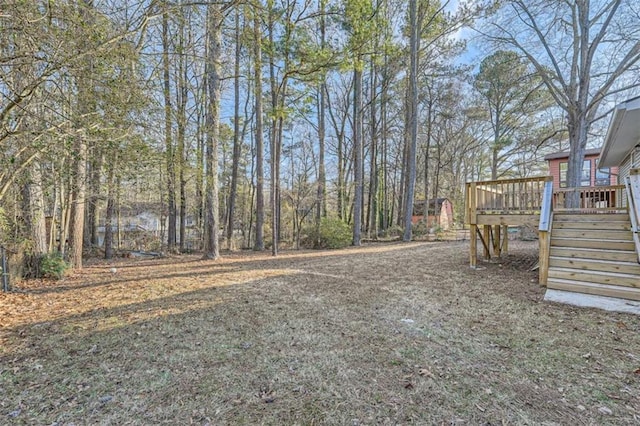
[(611, 137)]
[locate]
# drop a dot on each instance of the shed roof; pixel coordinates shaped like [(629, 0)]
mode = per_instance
[(623, 133), (435, 204)]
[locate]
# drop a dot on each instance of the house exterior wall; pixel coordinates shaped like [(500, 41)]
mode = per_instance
[(626, 166), (632, 161), (555, 165)]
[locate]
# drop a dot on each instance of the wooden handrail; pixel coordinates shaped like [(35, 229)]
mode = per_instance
[(547, 207), (632, 185), (544, 234)]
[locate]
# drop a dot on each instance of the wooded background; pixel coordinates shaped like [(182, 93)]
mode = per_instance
[(256, 120)]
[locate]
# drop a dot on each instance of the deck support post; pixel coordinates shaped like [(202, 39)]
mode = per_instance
[(487, 241), (505, 239), (497, 241), (473, 239)]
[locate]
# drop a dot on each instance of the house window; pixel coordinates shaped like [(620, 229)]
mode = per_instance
[(585, 175), (563, 174), (603, 176)]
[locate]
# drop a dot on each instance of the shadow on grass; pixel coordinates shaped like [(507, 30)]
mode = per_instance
[(200, 267)]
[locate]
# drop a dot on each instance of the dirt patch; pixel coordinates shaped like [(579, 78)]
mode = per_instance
[(384, 334)]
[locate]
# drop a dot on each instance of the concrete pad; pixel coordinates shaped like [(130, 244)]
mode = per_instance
[(590, 301)]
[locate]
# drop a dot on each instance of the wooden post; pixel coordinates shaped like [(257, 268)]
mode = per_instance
[(543, 265), (472, 220), (473, 238), (505, 239), (497, 241), (487, 240)]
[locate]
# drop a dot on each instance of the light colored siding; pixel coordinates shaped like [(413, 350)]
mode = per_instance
[(625, 167)]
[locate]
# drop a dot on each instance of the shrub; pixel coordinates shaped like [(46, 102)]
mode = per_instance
[(333, 234), (395, 231), (439, 232), (53, 266), (420, 229)]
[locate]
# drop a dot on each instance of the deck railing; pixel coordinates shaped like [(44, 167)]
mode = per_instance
[(594, 198), (500, 203), (512, 196), (525, 196)]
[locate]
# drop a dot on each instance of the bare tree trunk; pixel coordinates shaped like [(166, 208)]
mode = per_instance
[(384, 165), (321, 208), (404, 181), (86, 105), (257, 76), (358, 156), (413, 119), (427, 149), (278, 93), (170, 155), (577, 147), (109, 214), (91, 223), (33, 211), (215, 21), (341, 178), (200, 149), (339, 129), (233, 192), (78, 203), (372, 216), (181, 119)]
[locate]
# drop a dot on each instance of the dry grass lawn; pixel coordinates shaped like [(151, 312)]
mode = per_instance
[(384, 334)]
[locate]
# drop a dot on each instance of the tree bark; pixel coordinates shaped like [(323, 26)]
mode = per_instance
[(78, 203), (182, 94), (33, 211), (257, 76), (170, 155), (215, 21), (110, 212), (413, 121), (372, 203), (233, 191), (358, 156), (321, 208)]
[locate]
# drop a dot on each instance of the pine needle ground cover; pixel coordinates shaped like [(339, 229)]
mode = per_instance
[(384, 334)]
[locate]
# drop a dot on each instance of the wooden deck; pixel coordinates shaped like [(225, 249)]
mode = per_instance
[(492, 206), (593, 249)]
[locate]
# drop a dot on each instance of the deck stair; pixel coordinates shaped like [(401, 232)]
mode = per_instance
[(594, 254)]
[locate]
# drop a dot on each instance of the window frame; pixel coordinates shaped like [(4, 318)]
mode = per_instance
[(603, 176)]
